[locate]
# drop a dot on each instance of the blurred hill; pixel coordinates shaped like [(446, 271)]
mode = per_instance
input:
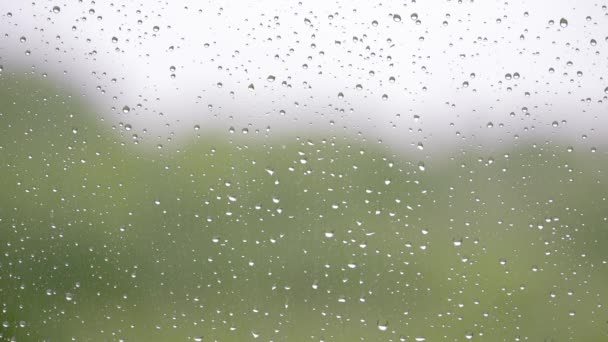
[(315, 238)]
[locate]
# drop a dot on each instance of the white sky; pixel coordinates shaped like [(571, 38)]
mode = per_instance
[(487, 38)]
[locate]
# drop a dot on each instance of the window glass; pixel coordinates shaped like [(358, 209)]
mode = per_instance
[(303, 170)]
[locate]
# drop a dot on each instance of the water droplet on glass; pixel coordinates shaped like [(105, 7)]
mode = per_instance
[(563, 22), (270, 78), (56, 9), (397, 18), (126, 109), (382, 326)]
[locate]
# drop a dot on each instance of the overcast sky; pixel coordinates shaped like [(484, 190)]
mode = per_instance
[(429, 71)]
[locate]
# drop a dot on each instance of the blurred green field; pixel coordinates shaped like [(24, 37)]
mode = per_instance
[(315, 238)]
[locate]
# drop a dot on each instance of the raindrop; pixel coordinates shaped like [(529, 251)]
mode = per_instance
[(382, 326), (126, 109), (397, 18), (270, 78), (56, 9), (563, 22)]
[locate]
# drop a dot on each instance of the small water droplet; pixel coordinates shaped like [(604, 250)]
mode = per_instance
[(56, 9), (126, 109), (563, 22), (382, 326)]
